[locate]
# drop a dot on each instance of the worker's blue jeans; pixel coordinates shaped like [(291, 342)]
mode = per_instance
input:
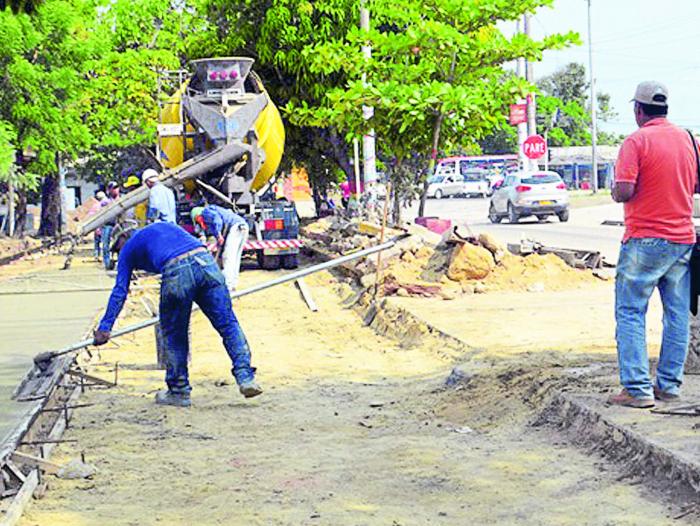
[(197, 278), (643, 265), (97, 246), (106, 242)]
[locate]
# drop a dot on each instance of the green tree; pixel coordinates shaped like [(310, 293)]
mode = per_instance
[(80, 75), (276, 33), (435, 76), (567, 90)]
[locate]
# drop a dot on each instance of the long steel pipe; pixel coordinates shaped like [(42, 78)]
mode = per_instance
[(250, 290)]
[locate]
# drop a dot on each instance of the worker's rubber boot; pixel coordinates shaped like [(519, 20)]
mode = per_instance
[(250, 389), (167, 397)]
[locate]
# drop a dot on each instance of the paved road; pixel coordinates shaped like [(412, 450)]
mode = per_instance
[(584, 230)]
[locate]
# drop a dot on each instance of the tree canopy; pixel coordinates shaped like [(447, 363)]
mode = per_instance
[(81, 75), (435, 78)]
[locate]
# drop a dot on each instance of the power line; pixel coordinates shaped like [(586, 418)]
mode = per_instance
[(653, 28)]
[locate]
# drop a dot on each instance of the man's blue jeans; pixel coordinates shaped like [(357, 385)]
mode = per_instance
[(106, 245), (645, 264), (96, 251), (197, 278)]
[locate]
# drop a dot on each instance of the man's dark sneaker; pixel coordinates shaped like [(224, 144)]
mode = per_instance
[(250, 389), (665, 396), (625, 399), (167, 397)]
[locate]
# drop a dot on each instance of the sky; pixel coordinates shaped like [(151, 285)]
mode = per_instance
[(633, 40)]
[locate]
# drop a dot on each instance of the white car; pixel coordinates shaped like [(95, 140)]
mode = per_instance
[(475, 183), (538, 193), (449, 185)]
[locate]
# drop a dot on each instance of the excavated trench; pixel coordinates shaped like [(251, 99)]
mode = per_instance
[(371, 416)]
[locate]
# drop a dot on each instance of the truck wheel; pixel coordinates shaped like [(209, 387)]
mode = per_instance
[(290, 261), (512, 214), (268, 262)]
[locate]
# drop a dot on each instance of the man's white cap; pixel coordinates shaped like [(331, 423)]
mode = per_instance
[(652, 93), (149, 173)]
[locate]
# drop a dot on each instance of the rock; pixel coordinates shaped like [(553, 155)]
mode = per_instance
[(368, 280), (493, 246), (76, 469), (467, 287), (403, 293), (479, 288), (408, 256), (448, 295), (459, 376), (470, 262), (536, 287), (423, 234), (424, 252)]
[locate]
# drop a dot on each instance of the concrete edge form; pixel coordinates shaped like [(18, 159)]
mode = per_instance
[(640, 457)]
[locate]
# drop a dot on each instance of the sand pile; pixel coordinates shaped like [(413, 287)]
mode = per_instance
[(424, 264), (454, 268)]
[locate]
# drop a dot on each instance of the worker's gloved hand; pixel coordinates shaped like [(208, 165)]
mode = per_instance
[(101, 337)]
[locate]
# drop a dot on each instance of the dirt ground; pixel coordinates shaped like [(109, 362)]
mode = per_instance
[(352, 429)]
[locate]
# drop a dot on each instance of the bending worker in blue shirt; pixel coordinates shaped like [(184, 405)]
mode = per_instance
[(189, 274), (216, 220)]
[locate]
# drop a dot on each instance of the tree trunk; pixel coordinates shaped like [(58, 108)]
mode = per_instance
[(396, 191), (396, 213), (340, 152), (10, 208), (21, 213), (50, 207), (317, 197), (431, 165), (436, 141)]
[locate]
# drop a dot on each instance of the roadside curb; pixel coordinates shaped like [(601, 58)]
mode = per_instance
[(643, 458)]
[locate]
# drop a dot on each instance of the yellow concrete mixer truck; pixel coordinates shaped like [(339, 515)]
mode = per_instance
[(221, 133)]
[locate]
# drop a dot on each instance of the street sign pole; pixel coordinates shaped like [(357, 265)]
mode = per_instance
[(594, 103)]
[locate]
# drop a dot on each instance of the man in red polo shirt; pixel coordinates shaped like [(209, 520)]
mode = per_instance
[(655, 177)]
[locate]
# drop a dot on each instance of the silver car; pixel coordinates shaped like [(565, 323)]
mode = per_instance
[(538, 193)]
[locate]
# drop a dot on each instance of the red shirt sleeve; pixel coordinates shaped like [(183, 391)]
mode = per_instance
[(627, 166)]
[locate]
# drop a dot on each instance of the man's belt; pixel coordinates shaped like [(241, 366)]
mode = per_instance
[(186, 254)]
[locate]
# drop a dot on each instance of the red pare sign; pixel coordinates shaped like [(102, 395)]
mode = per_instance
[(534, 147)]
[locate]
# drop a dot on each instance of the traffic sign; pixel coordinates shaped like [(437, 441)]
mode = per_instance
[(534, 147), (518, 114)]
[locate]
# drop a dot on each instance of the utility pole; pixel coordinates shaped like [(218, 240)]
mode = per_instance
[(522, 127), (594, 103), (368, 143), (530, 77)]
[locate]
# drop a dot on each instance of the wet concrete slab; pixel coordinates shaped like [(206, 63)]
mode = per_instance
[(32, 323)]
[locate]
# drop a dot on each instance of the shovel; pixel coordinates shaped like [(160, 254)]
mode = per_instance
[(44, 362)]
